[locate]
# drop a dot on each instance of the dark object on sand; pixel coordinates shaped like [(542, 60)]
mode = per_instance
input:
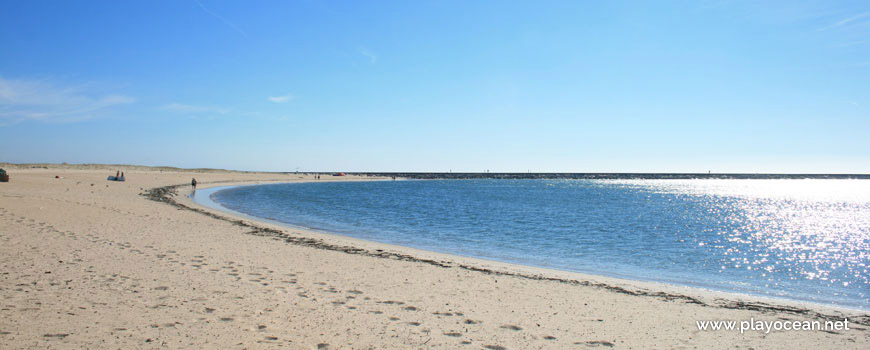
[(4, 177), (119, 176), (193, 183), (338, 174)]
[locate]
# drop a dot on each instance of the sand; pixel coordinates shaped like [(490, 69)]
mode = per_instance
[(88, 263)]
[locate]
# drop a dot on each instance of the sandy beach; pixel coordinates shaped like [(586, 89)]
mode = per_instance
[(90, 263)]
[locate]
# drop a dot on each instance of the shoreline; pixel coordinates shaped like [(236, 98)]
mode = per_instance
[(90, 263), (647, 288)]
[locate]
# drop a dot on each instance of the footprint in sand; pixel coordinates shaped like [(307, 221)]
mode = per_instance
[(494, 347), (595, 343), (56, 336)]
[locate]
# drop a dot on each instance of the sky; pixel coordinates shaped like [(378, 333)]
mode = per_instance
[(504, 86)]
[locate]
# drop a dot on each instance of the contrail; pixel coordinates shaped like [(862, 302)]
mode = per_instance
[(845, 21), (220, 18)]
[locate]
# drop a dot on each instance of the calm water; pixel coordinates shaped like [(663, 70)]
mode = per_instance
[(800, 239)]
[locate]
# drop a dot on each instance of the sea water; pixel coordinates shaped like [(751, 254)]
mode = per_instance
[(806, 240)]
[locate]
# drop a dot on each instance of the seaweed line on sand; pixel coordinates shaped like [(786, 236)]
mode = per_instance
[(166, 195)]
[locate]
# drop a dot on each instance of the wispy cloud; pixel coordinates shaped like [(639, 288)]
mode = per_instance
[(29, 99), (193, 109), (281, 99), (845, 21), (368, 53), (221, 18)]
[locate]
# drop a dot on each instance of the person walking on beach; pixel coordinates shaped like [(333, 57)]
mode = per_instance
[(193, 183)]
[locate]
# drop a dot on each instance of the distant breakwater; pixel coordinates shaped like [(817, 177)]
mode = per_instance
[(616, 176)]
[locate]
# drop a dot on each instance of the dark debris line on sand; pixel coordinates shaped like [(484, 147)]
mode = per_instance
[(166, 195)]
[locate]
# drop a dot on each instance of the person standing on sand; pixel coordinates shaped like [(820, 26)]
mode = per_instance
[(193, 183)]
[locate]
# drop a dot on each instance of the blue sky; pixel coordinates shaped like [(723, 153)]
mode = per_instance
[(573, 86)]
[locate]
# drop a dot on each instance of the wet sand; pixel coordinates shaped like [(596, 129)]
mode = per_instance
[(88, 263)]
